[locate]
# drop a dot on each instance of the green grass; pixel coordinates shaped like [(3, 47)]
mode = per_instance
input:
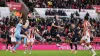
[(48, 53)]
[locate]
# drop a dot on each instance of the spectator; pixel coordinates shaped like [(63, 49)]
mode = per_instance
[(69, 4), (50, 4)]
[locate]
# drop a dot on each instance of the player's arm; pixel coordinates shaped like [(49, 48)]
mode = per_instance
[(38, 31), (26, 24), (84, 31), (14, 30), (90, 27), (56, 26), (70, 34), (43, 32)]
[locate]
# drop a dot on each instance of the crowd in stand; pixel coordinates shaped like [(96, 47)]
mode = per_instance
[(68, 4), (54, 12), (5, 24), (12, 0), (2, 3)]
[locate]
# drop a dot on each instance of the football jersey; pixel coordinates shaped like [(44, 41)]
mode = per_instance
[(12, 31), (31, 33), (87, 26)]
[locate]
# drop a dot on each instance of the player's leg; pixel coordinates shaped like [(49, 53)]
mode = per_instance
[(13, 40), (26, 47), (82, 42), (58, 40), (7, 46), (18, 39), (71, 45), (8, 43), (53, 36), (23, 36), (25, 39), (31, 45), (75, 44), (11, 46), (16, 46), (90, 47)]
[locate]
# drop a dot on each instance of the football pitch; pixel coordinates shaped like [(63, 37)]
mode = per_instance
[(48, 53)]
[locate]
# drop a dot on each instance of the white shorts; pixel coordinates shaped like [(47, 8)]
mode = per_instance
[(86, 39), (13, 39), (30, 40)]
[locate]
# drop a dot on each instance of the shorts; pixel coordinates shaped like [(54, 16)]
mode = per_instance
[(73, 39), (86, 39), (53, 34), (30, 40), (13, 39), (8, 40), (26, 29), (18, 37)]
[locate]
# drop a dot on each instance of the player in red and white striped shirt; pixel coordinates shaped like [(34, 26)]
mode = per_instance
[(12, 35), (30, 39), (86, 36)]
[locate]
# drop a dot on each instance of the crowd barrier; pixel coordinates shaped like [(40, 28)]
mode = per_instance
[(50, 47)]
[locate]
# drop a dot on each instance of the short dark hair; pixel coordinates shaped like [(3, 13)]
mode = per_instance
[(86, 18)]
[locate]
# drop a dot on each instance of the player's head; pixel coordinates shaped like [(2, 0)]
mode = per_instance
[(56, 17), (86, 18)]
